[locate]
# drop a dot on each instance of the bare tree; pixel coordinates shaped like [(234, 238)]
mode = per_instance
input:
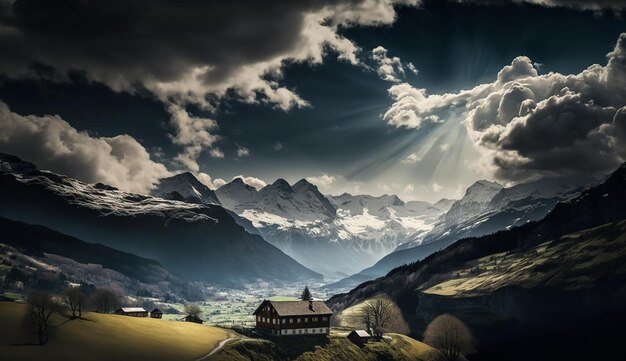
[(76, 300), (450, 335), (193, 310), (105, 300), (41, 308), (382, 315)]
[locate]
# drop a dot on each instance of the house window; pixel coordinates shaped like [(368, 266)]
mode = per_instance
[(306, 319), (291, 320), (258, 318), (314, 319), (283, 321), (321, 330), (299, 331), (298, 320), (324, 318)]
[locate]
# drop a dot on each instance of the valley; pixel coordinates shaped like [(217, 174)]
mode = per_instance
[(570, 244)]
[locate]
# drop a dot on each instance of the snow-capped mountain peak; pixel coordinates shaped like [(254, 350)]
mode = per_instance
[(186, 185), (481, 191), (279, 185), (303, 186)]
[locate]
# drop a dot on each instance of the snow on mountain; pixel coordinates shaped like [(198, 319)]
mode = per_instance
[(235, 194), (487, 207), (186, 186), (548, 187), (332, 235), (474, 202), (302, 202)]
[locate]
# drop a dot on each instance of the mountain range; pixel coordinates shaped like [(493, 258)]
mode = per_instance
[(333, 235), (486, 207), (340, 236), (194, 241)]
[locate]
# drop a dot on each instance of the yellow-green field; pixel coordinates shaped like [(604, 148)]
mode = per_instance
[(107, 337), (335, 348)]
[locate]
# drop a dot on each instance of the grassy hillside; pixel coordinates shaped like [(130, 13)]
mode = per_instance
[(345, 319), (573, 262), (335, 348), (107, 337)]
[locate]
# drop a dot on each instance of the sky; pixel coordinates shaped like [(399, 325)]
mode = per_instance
[(407, 97)]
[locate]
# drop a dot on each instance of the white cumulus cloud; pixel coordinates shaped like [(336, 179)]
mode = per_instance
[(390, 68), (530, 125), (252, 181), (53, 144), (323, 180), (242, 152)]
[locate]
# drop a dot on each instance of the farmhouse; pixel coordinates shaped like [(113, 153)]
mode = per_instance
[(132, 311), (156, 313), (287, 318)]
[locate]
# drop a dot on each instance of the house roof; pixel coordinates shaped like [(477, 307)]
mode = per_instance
[(297, 308), (156, 310), (133, 309), (361, 333)]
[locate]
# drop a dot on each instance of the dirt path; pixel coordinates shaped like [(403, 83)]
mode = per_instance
[(219, 347)]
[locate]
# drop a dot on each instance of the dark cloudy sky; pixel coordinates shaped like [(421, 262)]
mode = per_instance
[(413, 98)]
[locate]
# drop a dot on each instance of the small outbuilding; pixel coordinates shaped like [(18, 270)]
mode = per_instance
[(132, 311), (194, 319), (359, 337), (156, 313)]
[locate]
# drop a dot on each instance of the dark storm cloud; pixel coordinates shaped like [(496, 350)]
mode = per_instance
[(531, 125), (192, 53), (183, 52), (184, 49)]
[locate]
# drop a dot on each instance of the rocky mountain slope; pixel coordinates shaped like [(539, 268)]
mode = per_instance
[(195, 241), (544, 282)]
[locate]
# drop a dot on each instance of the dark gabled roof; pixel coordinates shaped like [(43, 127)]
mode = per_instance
[(156, 310), (297, 308)]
